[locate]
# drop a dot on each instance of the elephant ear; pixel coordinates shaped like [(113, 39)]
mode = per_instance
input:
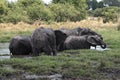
[(91, 40), (59, 33), (60, 38)]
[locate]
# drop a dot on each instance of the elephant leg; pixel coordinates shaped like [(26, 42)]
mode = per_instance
[(54, 52), (47, 49), (36, 52)]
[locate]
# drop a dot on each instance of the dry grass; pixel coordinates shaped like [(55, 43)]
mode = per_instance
[(118, 26), (89, 23)]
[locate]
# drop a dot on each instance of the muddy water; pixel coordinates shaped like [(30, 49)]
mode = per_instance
[(4, 48), (98, 48), (4, 51)]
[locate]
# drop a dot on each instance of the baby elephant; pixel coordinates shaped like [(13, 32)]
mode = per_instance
[(83, 42), (20, 45)]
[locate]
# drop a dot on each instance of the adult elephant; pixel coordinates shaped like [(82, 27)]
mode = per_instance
[(43, 40), (20, 45), (87, 31), (68, 32), (79, 32), (63, 33), (83, 42)]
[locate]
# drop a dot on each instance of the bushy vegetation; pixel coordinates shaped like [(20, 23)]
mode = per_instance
[(108, 13), (32, 10), (94, 4), (59, 10), (107, 9), (64, 12)]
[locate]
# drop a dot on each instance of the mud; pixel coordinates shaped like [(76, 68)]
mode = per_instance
[(111, 73)]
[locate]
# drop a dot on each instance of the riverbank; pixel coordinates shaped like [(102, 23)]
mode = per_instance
[(70, 64)]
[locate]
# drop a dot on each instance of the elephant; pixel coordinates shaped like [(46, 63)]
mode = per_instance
[(87, 31), (63, 33), (79, 32), (60, 38), (69, 32), (83, 42), (43, 40), (20, 45)]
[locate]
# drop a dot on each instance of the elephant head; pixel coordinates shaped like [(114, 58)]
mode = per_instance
[(60, 38), (87, 31), (96, 40)]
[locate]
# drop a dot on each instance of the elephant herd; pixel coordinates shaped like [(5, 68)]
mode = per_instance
[(50, 41)]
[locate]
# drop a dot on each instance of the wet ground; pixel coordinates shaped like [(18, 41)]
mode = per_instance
[(5, 54)]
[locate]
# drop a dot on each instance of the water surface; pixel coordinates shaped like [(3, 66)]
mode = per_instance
[(4, 48), (4, 51), (98, 48)]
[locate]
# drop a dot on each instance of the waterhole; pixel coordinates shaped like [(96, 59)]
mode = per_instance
[(4, 51)]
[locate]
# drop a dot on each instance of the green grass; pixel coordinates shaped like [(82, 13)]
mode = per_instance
[(73, 64), (6, 36)]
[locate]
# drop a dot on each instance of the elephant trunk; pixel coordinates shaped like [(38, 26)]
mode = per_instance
[(103, 46)]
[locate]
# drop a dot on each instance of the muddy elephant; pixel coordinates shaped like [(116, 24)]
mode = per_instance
[(79, 32), (20, 45), (68, 32), (60, 38), (43, 40), (87, 31), (83, 42), (62, 34)]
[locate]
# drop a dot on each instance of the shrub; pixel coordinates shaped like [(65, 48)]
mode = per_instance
[(39, 12), (77, 8), (108, 13), (16, 15), (64, 12), (31, 10)]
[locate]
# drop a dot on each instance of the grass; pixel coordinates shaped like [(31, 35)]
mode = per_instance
[(9, 30), (71, 64), (83, 64)]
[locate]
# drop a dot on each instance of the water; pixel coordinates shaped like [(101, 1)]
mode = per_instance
[(4, 57), (44, 77), (4, 51), (98, 48), (4, 48)]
